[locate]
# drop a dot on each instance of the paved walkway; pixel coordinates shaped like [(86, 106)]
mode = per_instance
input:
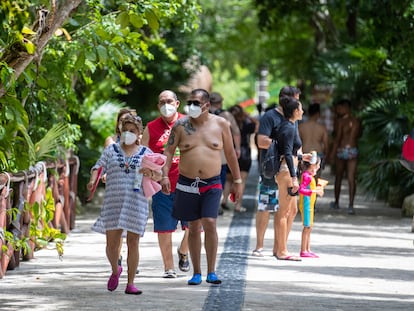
[(366, 262)]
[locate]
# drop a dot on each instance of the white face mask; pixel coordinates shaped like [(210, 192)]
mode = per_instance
[(128, 138), (194, 111), (168, 110)]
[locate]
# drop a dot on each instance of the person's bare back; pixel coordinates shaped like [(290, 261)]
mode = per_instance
[(314, 137)]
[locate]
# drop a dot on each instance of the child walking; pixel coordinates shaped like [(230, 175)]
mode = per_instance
[(125, 207), (307, 197)]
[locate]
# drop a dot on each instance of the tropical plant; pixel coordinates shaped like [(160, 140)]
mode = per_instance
[(365, 59), (40, 230), (60, 61)]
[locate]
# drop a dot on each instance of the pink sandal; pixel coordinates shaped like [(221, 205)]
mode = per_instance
[(114, 280)]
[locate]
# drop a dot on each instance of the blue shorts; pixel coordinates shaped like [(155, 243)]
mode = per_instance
[(223, 174), (197, 198), (162, 206)]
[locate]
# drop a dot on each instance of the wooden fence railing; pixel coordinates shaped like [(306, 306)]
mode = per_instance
[(30, 186)]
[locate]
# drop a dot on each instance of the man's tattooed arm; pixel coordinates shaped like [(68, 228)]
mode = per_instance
[(171, 138), (186, 124)]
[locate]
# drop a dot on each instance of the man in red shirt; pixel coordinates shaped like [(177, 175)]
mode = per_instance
[(155, 136)]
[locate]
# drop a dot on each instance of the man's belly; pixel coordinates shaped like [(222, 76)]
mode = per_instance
[(203, 166)]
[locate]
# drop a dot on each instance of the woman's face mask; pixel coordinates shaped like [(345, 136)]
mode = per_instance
[(194, 111), (168, 110), (128, 138)]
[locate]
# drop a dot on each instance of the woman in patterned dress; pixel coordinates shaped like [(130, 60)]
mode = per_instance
[(125, 208)]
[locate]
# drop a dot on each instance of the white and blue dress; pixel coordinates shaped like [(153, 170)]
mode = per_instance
[(123, 207)]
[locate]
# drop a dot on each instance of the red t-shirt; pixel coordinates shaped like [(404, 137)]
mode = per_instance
[(408, 147), (159, 132)]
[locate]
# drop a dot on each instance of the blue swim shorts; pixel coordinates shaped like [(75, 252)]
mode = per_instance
[(162, 207), (197, 198), (347, 153)]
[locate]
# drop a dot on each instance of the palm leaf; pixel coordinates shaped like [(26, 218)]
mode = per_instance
[(30, 147), (51, 143)]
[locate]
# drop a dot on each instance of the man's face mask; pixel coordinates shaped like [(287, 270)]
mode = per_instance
[(194, 108), (168, 110), (194, 111)]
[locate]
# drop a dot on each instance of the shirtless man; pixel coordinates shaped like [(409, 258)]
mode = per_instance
[(345, 151), (314, 135), (201, 137), (216, 107)]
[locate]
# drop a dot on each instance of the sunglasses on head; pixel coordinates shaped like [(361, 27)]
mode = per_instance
[(133, 115), (194, 102)]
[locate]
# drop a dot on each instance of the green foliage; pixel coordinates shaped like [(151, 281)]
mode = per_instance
[(366, 57), (17, 244), (125, 52), (10, 240), (40, 231), (85, 64), (42, 215), (103, 119), (14, 138), (385, 124), (52, 145), (234, 88)]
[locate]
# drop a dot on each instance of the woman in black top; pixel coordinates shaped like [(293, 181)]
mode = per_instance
[(289, 143), (247, 126)]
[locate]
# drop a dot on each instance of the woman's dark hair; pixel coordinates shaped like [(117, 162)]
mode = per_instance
[(289, 104), (238, 113), (288, 91)]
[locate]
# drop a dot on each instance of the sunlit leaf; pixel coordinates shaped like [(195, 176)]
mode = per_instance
[(103, 56), (136, 20), (30, 47), (42, 82), (27, 31), (152, 19), (123, 19), (80, 61)]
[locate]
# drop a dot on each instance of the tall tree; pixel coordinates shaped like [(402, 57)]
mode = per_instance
[(60, 60)]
